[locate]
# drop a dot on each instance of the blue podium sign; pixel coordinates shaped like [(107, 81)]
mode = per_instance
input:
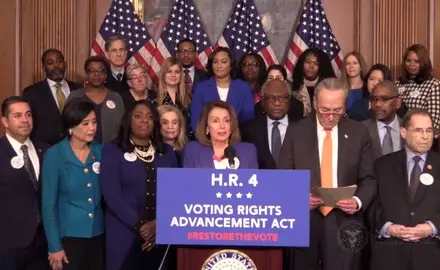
[(233, 207)]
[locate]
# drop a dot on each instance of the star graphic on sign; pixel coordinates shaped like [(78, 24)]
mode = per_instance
[(218, 194), (239, 195), (249, 195), (229, 195)]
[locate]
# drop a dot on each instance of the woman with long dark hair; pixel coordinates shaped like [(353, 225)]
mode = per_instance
[(223, 86), (128, 181), (312, 67)]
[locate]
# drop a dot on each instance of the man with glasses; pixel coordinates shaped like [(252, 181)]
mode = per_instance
[(384, 128), (407, 209), (337, 151), (187, 55), (47, 98), (116, 52), (267, 131)]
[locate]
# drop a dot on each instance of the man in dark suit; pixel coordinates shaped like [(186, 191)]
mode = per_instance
[(187, 55), (23, 244), (407, 209), (116, 52), (267, 131), (384, 128), (47, 98), (338, 153)]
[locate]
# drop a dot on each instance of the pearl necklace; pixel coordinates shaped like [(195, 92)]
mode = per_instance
[(145, 156)]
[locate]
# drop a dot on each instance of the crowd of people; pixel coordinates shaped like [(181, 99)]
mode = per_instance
[(79, 162)]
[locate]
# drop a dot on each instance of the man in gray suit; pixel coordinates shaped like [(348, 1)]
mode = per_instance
[(384, 128)]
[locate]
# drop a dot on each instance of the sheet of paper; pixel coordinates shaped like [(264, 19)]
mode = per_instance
[(331, 196)]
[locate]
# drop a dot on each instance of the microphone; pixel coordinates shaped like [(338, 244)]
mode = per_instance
[(230, 155)]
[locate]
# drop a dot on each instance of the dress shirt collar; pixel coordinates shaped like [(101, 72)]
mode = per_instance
[(115, 72), (191, 69), (410, 154), (321, 129), (283, 121), (17, 145), (53, 83), (394, 124)]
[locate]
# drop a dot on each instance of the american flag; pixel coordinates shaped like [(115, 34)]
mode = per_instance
[(183, 22), (122, 19), (314, 31), (244, 33)]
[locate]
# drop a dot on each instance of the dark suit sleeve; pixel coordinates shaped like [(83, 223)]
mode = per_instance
[(188, 157), (285, 160), (248, 109), (253, 162), (197, 105), (376, 215), (111, 186), (366, 190)]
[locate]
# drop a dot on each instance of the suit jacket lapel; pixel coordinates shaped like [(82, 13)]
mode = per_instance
[(401, 176), (265, 139), (343, 142), (375, 139), (206, 157), (315, 150), (232, 95), (421, 188)]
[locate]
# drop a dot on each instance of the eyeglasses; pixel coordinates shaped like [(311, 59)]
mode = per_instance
[(137, 77), (382, 98), (99, 71), (189, 51), (420, 131), (273, 99), (247, 64), (336, 113)]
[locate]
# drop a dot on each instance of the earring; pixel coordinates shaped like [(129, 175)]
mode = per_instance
[(207, 132), (70, 132)]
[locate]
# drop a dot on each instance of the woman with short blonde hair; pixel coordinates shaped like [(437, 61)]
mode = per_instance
[(137, 79)]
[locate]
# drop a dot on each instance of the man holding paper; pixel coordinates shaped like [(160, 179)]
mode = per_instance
[(407, 208), (338, 153)]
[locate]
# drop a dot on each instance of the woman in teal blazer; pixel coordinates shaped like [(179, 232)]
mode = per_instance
[(71, 197)]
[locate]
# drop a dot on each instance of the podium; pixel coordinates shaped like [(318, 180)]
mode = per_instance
[(194, 258), (232, 219)]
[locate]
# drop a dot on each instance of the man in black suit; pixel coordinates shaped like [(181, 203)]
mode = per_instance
[(407, 209), (23, 243), (384, 128), (116, 52), (267, 131), (47, 98), (337, 151), (187, 55)]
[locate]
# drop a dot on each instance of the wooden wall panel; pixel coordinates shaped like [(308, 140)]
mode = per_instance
[(63, 25), (397, 25)]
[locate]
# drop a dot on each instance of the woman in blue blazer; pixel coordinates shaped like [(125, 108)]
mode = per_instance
[(218, 141), (128, 182), (71, 196), (223, 86)]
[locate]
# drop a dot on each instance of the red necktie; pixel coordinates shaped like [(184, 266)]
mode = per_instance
[(188, 82)]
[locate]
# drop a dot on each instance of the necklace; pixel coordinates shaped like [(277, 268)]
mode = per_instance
[(143, 153)]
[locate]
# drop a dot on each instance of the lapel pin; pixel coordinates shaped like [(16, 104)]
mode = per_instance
[(93, 157), (346, 136), (39, 150), (429, 167)]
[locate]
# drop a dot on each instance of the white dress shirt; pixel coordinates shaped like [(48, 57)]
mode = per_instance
[(192, 72), (284, 123), (16, 145), (335, 143), (64, 88), (223, 93)]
